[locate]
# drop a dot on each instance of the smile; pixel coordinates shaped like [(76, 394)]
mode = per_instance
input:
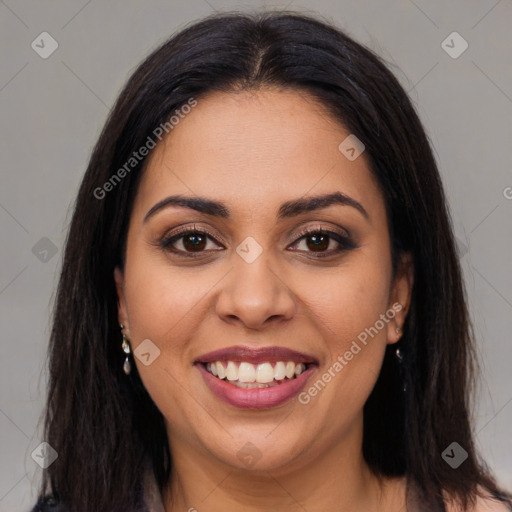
[(249, 376), (255, 378)]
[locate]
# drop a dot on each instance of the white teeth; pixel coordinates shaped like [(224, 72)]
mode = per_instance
[(246, 372), (264, 373), (290, 369), (248, 375), (299, 368), (252, 385), (231, 371), (221, 373), (279, 371)]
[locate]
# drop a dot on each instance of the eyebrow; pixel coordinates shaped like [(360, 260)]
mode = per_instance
[(287, 209)]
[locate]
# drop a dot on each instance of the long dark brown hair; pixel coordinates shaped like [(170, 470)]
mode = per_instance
[(104, 425)]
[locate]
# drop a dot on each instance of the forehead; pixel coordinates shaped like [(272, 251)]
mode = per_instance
[(255, 148)]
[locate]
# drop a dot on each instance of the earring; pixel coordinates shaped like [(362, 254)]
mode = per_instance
[(398, 352), (127, 367), (400, 358)]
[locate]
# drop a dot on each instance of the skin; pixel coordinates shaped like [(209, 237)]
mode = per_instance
[(253, 151)]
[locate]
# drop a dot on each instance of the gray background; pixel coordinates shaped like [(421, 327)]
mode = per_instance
[(52, 111)]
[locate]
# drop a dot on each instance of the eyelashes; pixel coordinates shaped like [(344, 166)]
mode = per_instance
[(200, 237), (195, 240)]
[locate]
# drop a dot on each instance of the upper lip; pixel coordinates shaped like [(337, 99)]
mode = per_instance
[(256, 355)]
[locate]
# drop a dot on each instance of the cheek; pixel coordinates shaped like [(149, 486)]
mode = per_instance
[(165, 305), (349, 319), (347, 301), (162, 300)]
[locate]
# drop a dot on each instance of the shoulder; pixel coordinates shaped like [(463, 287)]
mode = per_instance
[(490, 505), (483, 504)]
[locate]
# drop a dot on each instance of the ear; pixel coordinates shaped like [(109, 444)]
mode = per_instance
[(122, 311), (400, 298)]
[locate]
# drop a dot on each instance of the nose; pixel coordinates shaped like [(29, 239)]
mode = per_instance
[(255, 295)]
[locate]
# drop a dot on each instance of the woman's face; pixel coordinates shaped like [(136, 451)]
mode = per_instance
[(256, 285)]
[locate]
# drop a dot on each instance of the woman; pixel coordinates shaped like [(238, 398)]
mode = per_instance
[(260, 306)]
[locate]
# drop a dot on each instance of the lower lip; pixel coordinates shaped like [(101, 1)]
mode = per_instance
[(256, 398)]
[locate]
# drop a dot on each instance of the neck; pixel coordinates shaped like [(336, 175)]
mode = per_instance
[(337, 478)]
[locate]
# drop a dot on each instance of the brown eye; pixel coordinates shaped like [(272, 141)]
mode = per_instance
[(194, 241), (188, 242), (319, 240)]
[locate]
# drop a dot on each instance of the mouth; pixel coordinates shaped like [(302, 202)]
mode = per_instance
[(256, 378)]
